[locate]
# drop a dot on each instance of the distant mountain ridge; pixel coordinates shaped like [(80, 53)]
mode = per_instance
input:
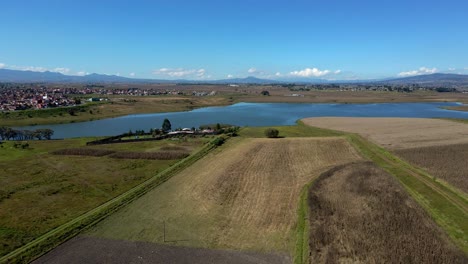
[(436, 79), (443, 79)]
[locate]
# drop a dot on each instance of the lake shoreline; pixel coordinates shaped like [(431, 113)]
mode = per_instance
[(249, 114)]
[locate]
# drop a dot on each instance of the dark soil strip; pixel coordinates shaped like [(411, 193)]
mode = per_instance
[(98, 250), (359, 213)]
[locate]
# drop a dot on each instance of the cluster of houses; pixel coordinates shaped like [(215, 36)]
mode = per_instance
[(189, 131), (19, 99), (38, 97), (212, 93)]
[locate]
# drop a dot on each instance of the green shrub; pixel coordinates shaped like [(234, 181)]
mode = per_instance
[(218, 141), (271, 133)]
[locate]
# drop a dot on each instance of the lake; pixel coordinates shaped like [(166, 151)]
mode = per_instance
[(249, 114)]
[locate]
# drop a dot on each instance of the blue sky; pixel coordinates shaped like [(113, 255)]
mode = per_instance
[(225, 39)]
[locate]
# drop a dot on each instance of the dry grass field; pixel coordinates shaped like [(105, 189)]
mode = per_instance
[(243, 196), (282, 95), (398, 133), (40, 190), (449, 163), (361, 214)]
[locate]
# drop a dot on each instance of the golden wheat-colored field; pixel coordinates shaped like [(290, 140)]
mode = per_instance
[(242, 197)]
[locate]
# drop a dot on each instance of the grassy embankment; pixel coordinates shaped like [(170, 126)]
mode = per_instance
[(43, 192)]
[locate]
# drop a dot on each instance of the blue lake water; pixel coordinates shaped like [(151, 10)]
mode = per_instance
[(249, 114)]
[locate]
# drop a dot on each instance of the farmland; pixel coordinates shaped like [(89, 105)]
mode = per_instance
[(247, 202), (359, 213), (448, 162), (446, 205), (244, 197), (437, 146), (398, 133), (41, 190)]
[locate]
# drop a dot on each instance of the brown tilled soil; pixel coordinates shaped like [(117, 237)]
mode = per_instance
[(99, 250), (449, 163), (360, 214), (398, 133)]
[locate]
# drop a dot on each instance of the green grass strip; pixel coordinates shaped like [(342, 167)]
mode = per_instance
[(301, 252), (444, 204), (55, 237)]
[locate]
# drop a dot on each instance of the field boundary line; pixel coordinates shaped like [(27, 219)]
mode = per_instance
[(301, 251), (60, 234)]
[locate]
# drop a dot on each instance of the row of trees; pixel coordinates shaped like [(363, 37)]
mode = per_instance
[(7, 133)]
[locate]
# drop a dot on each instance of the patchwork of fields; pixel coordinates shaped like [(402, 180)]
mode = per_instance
[(247, 201)]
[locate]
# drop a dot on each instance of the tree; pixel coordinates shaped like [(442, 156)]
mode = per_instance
[(3, 132), (166, 126), (271, 133), (47, 133), (266, 93)]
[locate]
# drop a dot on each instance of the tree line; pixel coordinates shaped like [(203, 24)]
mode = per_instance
[(8, 133)]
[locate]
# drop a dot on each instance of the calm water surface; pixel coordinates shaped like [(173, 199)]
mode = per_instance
[(249, 114)]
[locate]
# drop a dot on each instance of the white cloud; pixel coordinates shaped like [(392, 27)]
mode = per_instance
[(132, 74), (337, 71), (201, 73), (2, 65), (28, 68), (466, 68), (230, 76), (278, 74), (308, 72), (420, 71), (61, 70), (451, 69), (252, 70), (82, 73), (180, 72)]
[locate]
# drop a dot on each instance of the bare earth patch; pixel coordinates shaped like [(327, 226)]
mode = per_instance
[(360, 214), (398, 133), (98, 250)]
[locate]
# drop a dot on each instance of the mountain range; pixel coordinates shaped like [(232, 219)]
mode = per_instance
[(436, 79)]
